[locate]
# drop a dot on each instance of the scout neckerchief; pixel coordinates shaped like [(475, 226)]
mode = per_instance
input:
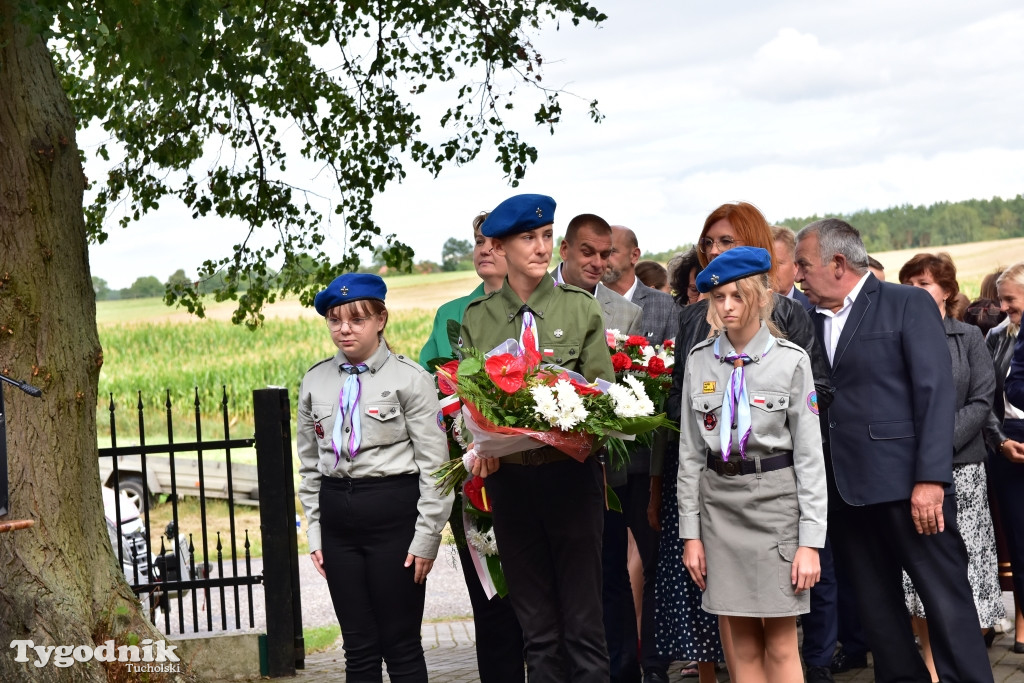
[(736, 405), (528, 335), (348, 404)]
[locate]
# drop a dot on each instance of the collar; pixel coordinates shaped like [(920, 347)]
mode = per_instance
[(538, 302), (848, 300), (374, 362), (631, 292), (557, 275), (754, 347)]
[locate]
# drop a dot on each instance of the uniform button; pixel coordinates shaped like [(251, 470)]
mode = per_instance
[(832, 424), (572, 352), (347, 430), (705, 406), (770, 404)]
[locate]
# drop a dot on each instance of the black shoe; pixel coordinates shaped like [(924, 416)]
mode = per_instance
[(843, 662), (1018, 647), (989, 635), (656, 677), (819, 674)]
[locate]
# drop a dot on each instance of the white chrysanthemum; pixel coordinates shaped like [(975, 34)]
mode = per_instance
[(485, 542), (631, 400), (545, 404)]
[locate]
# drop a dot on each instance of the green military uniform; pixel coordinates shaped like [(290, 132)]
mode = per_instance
[(570, 327), (548, 508), (438, 345)]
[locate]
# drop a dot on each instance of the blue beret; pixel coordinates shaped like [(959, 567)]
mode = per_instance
[(735, 264), (518, 214), (348, 288)]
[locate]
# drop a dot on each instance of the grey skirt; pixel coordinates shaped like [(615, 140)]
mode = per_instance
[(749, 526)]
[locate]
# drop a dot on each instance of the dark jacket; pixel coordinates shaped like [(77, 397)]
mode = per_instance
[(788, 315), (890, 424), (1015, 380), (1000, 345), (975, 383)]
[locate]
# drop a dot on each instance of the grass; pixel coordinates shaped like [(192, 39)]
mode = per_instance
[(320, 638), (217, 520)]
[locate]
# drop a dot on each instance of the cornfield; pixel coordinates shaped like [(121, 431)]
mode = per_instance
[(194, 360)]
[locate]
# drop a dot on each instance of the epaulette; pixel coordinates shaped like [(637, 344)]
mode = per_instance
[(702, 344), (318, 363), (405, 360), (482, 299), (790, 344)]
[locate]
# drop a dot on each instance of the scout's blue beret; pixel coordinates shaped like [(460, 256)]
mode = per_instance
[(348, 288), (735, 264), (518, 214)]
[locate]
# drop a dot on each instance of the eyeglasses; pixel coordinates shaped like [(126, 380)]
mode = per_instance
[(354, 324), (724, 244)]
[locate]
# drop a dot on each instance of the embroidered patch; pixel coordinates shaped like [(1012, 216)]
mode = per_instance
[(549, 352), (373, 411), (440, 420), (812, 402), (385, 394), (319, 430), (710, 421), (758, 400), (709, 387)]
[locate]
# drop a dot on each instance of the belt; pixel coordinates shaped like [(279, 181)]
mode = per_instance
[(536, 456), (737, 466)]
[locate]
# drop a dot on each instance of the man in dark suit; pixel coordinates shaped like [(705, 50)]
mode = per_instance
[(660, 321), (889, 451)]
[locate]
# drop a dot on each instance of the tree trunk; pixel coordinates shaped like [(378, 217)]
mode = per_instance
[(59, 581)]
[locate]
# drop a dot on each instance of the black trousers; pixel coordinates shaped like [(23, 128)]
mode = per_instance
[(1007, 479), (619, 610), (499, 639), (874, 542), (367, 526), (548, 521)]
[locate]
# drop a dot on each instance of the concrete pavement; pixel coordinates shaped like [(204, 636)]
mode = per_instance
[(451, 658)]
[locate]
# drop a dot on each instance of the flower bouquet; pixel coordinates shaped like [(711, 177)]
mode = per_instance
[(650, 364), (483, 546), (512, 402)]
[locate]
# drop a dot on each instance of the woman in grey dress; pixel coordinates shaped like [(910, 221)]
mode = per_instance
[(974, 378), (751, 482)]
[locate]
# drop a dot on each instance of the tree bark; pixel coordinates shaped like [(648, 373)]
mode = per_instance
[(59, 581)]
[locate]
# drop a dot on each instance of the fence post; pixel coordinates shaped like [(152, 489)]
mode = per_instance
[(285, 645)]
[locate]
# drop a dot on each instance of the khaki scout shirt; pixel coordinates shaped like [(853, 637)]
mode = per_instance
[(783, 417), (402, 433), (569, 325)]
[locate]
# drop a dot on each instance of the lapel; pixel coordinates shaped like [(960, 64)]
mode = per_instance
[(860, 308), (819, 334), (640, 293)]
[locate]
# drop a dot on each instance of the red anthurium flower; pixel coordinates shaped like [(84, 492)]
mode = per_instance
[(637, 340), (476, 493), (621, 361), (506, 371), (656, 366), (447, 377)]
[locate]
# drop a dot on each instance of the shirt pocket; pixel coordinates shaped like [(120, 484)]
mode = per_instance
[(565, 353), (707, 410), (383, 424), (323, 420), (768, 410)]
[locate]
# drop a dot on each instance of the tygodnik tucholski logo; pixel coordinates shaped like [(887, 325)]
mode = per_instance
[(148, 656)]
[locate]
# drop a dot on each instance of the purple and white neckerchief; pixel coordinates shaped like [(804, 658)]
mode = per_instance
[(348, 404), (736, 403)]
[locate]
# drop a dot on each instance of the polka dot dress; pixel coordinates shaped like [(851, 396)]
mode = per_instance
[(684, 631)]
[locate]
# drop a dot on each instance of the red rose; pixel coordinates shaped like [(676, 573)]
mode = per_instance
[(476, 493), (621, 361), (656, 366), (637, 340), (447, 377), (506, 371), (668, 343)]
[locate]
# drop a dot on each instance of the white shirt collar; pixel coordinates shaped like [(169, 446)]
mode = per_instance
[(632, 290), (848, 301)]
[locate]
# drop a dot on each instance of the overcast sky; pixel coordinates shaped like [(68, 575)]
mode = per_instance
[(798, 107)]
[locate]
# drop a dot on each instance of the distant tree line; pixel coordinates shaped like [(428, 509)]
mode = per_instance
[(898, 227)]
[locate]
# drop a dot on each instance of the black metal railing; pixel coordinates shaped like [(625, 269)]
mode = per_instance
[(172, 581)]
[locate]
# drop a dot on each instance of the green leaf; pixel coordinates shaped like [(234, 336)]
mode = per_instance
[(494, 569), (469, 366), (614, 504)]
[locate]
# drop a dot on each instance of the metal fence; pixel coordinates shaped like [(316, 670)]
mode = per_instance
[(191, 577)]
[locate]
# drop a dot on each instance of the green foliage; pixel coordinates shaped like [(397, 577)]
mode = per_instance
[(211, 102), (320, 638), (909, 227), (143, 288), (100, 288), (455, 253)]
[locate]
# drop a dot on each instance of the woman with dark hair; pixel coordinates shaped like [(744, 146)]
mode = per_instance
[(682, 273), (974, 379), (653, 274), (686, 632), (984, 312), (1004, 434)]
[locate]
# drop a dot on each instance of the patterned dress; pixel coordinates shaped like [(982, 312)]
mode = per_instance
[(684, 631)]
